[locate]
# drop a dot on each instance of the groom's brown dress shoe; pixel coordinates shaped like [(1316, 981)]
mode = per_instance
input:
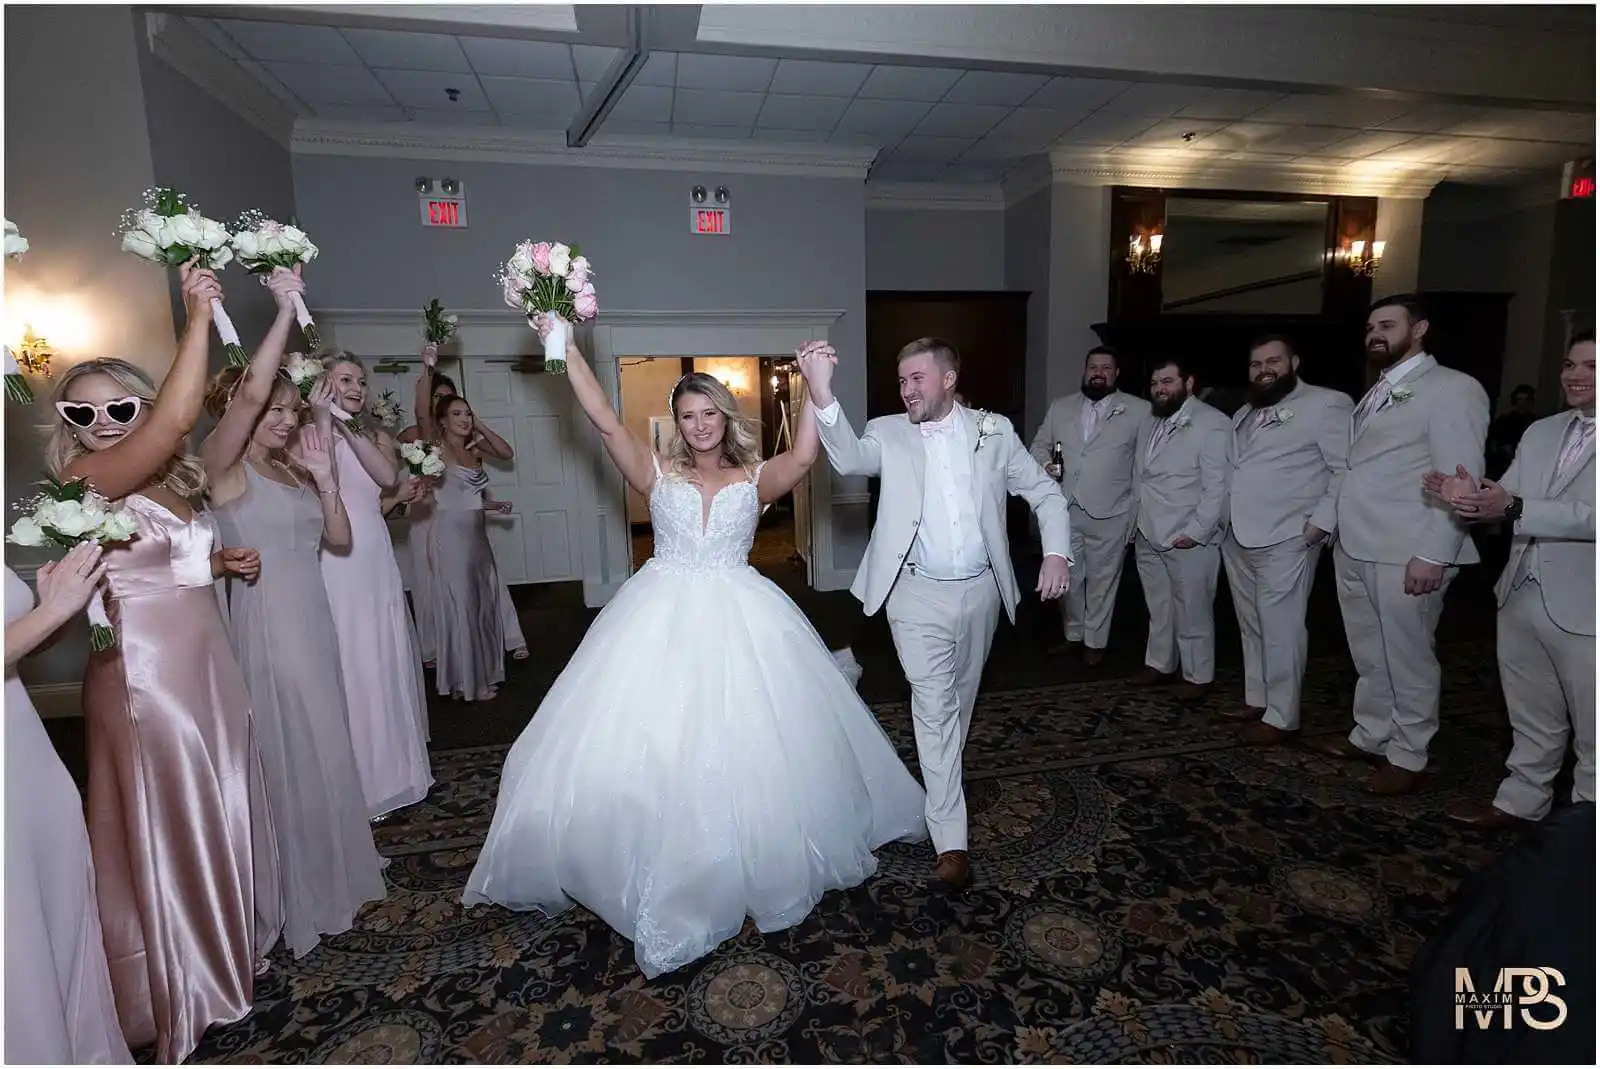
[(1342, 747), (1486, 816), (951, 872)]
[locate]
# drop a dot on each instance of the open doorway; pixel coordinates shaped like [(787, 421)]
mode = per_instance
[(765, 387)]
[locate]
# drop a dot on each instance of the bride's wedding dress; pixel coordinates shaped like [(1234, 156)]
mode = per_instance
[(701, 759)]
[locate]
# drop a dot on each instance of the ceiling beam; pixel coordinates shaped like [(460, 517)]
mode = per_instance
[(623, 70)]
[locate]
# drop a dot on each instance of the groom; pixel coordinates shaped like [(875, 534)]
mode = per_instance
[(938, 554)]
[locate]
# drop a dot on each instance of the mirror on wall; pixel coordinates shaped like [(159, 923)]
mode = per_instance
[(1243, 257)]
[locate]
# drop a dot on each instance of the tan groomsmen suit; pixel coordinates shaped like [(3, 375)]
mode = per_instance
[(1546, 623), (1182, 467), (945, 581), (1099, 441), (1286, 463), (1418, 418)]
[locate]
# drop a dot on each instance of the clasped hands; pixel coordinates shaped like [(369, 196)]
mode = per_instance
[(1471, 499)]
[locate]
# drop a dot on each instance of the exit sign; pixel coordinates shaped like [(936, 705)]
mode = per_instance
[(1577, 180), (444, 211), (704, 220)]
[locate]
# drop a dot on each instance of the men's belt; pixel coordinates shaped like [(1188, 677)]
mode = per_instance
[(912, 567)]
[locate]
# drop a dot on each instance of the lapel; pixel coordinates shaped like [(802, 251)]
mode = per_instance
[(1250, 413), (1155, 429), (1558, 482), (1423, 366), (975, 462)]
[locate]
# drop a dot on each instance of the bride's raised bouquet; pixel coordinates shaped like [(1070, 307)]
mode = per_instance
[(262, 244), (170, 231), (61, 517), (423, 459), (438, 325), (549, 277), (386, 410)]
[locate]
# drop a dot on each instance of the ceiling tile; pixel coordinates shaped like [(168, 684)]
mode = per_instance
[(1030, 122), (1104, 128), (1540, 125), (629, 128), (452, 117), (209, 29), (704, 107), (995, 87), (1365, 144), (323, 83), (543, 60), (977, 171), (1522, 154), (643, 103), (529, 96), (290, 42), (735, 73), (272, 82), (932, 148), (736, 133), (909, 83), (1425, 149), (362, 113), (995, 147), (1431, 118), (1279, 137), (865, 138), (1354, 112), (801, 112), (961, 120), (1228, 103), (897, 170), (777, 136), (593, 61), (1169, 133), (805, 77), (893, 117), (548, 121), (395, 50), (660, 69), (1152, 99), (429, 89), (1075, 94)]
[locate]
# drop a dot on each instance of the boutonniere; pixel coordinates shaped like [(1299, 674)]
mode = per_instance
[(1283, 415), (1116, 410), (1400, 395), (987, 428), (1181, 422)]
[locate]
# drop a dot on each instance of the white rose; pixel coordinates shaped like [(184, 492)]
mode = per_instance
[(213, 235), (294, 235), (186, 230), (521, 261), (141, 245), (308, 252), (25, 532), (16, 244), (412, 453), (70, 518), (560, 260), (432, 465), (450, 318), (118, 527), (220, 257), (274, 243)]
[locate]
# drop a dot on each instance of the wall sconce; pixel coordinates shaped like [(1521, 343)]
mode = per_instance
[(699, 194), (722, 194), (424, 184), (33, 354), (450, 186), (1360, 258), (1144, 253)]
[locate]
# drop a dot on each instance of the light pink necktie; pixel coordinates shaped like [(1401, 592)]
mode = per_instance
[(1577, 440), (1093, 422), (1373, 401), (1160, 435)]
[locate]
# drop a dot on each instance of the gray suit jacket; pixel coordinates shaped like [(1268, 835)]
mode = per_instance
[(892, 449), (1435, 419), (1557, 525), (1183, 488), (1097, 474), (1287, 474)]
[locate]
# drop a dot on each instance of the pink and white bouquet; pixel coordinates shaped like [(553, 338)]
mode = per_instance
[(551, 278), (62, 517), (262, 244), (386, 410), (304, 371), (424, 459), (170, 231), (17, 388)]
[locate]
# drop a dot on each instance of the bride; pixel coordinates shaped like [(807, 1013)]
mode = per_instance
[(702, 757)]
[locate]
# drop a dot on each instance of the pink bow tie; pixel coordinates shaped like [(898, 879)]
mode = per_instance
[(931, 429)]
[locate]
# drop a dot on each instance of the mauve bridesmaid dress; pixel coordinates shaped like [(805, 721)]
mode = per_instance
[(59, 1006), (467, 613), (178, 820)]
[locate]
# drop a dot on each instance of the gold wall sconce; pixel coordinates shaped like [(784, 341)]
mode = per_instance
[(1144, 253), (1362, 258)]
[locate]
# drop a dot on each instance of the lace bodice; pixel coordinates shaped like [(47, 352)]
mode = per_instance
[(677, 511)]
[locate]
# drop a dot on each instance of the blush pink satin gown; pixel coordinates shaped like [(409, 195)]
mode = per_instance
[(183, 844), (59, 1006)]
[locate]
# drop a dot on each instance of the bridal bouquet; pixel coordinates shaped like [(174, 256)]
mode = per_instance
[(170, 231), (386, 410), (438, 326), (304, 371), (551, 278), (262, 244), (17, 388), (65, 515), (423, 458)]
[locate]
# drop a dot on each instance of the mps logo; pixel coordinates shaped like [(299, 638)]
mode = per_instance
[(1535, 992)]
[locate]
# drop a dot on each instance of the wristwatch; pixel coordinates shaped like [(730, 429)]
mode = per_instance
[(1514, 510)]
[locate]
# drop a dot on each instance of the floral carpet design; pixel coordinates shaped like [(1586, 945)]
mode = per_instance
[(1146, 891)]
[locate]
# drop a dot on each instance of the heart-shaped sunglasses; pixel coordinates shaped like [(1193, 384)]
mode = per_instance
[(122, 411)]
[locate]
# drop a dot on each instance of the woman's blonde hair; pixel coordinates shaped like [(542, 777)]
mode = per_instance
[(331, 356), (741, 442), (184, 474), (225, 384)]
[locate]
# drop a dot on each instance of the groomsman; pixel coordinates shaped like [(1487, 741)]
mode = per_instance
[(1098, 432), (1182, 473), (1397, 550), (1288, 453), (1546, 598)]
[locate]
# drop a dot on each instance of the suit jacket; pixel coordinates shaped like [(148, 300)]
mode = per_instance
[(1183, 488), (1557, 524), (1435, 418), (1097, 474), (1286, 474), (891, 448)]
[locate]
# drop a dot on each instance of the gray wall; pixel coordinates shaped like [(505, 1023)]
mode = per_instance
[(1027, 252), (936, 250)]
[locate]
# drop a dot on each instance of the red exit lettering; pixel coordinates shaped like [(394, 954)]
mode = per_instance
[(1583, 187), (443, 213)]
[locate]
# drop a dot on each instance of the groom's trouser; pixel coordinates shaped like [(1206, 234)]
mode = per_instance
[(942, 632), (1099, 550)]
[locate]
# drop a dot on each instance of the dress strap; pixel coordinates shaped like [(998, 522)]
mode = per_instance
[(655, 462)]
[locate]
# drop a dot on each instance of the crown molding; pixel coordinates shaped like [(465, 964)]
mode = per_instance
[(934, 196), (1031, 177), (1198, 171), (183, 48), (548, 148)]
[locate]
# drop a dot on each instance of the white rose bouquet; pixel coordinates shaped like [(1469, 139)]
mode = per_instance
[(17, 388), (262, 244), (16, 244), (304, 371), (552, 278), (424, 459), (65, 515), (386, 410), (170, 231), (438, 326)]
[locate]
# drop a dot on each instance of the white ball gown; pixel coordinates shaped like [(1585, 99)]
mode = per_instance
[(701, 759)]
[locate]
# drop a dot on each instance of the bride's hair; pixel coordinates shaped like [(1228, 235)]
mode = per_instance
[(741, 441)]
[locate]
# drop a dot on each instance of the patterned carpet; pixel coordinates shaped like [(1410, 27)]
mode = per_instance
[(1147, 891)]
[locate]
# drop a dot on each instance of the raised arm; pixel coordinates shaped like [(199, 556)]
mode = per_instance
[(848, 453), (487, 442), (784, 471), (226, 443), (377, 458), (314, 454), (628, 452), (427, 427), (125, 467)]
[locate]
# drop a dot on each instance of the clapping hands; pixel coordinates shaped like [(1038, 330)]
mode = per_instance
[(1473, 501), (65, 586)]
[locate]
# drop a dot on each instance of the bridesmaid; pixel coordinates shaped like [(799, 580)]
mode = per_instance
[(178, 822), (377, 644), (419, 512), (432, 386), (466, 583), (59, 1006), (286, 503)]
